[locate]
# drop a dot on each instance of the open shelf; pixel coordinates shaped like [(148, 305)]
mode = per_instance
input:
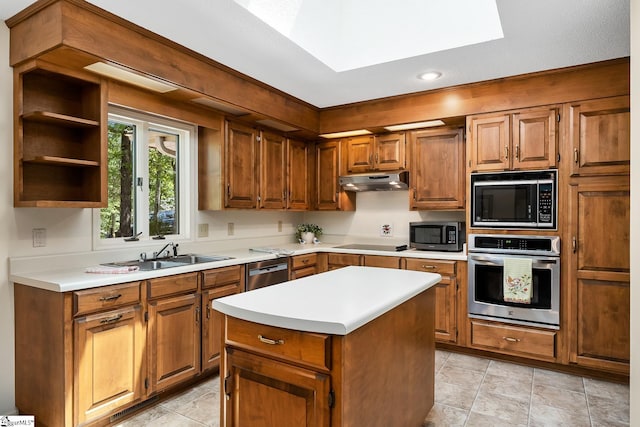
[(56, 118), (61, 161), (60, 144)]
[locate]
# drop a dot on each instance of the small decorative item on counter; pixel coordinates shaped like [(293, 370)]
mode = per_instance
[(308, 233)]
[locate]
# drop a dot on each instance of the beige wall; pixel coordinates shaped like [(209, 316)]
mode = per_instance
[(635, 218)]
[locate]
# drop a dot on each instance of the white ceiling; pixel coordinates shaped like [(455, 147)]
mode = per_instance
[(538, 35)]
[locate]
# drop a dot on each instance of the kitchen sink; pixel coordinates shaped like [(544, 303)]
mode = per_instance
[(178, 261), (197, 259)]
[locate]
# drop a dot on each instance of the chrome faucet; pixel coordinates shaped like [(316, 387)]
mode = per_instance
[(174, 248)]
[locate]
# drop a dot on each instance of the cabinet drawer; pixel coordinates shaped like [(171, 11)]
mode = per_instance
[(381, 261), (106, 297), (303, 272), (221, 276), (306, 348), (341, 260), (515, 340), (442, 267), (303, 261), (171, 285)]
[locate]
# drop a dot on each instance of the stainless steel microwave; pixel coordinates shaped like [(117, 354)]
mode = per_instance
[(437, 236), (514, 200)]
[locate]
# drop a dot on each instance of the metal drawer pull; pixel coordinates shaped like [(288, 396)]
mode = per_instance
[(269, 340), (111, 319), (510, 339), (429, 267), (110, 298)]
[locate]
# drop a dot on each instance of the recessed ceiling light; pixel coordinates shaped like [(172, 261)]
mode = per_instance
[(346, 134), (430, 75)]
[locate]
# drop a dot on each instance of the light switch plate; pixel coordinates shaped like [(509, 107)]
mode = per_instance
[(39, 237), (203, 230)]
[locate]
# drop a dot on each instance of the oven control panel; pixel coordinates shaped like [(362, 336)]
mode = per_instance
[(514, 244)]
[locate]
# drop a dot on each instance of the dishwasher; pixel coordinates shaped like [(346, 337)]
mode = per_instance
[(266, 273)]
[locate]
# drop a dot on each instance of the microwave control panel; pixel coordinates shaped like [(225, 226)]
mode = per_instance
[(545, 203)]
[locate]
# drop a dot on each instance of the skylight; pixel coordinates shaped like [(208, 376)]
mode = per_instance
[(350, 34)]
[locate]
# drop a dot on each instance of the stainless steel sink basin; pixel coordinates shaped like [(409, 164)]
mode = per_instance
[(179, 261), (197, 259)]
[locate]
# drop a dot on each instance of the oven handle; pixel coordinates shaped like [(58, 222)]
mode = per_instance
[(499, 259)]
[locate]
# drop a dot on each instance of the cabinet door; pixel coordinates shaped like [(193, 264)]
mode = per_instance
[(174, 340), (254, 383), (381, 261), (359, 154), (437, 169), (109, 362), (490, 142), (389, 152), (241, 166), (445, 325), (272, 171), (599, 274), (211, 324), (535, 138), (298, 175), (599, 132)]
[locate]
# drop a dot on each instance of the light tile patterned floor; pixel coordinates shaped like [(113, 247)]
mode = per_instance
[(469, 391)]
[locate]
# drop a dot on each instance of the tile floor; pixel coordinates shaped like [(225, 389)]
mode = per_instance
[(469, 391)]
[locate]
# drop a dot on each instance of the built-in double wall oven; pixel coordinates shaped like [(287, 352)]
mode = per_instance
[(515, 278)]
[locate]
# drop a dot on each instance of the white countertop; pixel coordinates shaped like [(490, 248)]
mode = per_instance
[(43, 272), (336, 302)]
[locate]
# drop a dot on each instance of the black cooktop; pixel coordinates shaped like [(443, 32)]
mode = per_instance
[(366, 247)]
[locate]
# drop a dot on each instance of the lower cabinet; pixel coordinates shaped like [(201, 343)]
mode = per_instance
[(338, 260), (381, 261), (303, 265), (446, 295), (108, 362), (532, 343), (216, 283), (300, 395)]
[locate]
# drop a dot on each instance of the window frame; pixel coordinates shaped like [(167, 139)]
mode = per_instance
[(186, 178)]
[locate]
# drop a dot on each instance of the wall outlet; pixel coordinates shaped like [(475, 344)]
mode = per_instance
[(386, 230), (279, 226), (39, 237), (203, 230), (230, 230)]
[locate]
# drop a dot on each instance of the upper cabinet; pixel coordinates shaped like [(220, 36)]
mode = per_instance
[(328, 195), (265, 170), (513, 140), (437, 172), (241, 166), (375, 153), (605, 125), (59, 138)]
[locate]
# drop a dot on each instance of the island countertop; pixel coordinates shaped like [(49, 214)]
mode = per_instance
[(336, 302)]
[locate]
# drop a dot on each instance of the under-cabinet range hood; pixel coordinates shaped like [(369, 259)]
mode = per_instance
[(375, 181)]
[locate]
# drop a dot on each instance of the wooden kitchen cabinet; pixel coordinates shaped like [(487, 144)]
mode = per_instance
[(60, 137), (338, 260), (513, 140), (273, 171), (599, 133), (328, 194), (303, 265), (367, 153), (437, 169), (532, 343), (381, 261), (446, 325), (173, 331), (599, 273), (216, 283), (242, 152), (299, 166)]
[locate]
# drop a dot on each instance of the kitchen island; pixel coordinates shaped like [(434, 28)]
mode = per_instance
[(349, 347)]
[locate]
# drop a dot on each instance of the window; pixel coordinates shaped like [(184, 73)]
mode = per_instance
[(148, 177)]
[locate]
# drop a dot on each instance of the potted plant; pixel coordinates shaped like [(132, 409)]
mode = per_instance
[(307, 232)]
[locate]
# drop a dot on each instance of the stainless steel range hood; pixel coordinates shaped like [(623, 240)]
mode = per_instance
[(375, 181)]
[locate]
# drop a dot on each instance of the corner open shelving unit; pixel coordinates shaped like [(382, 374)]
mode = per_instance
[(60, 137)]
